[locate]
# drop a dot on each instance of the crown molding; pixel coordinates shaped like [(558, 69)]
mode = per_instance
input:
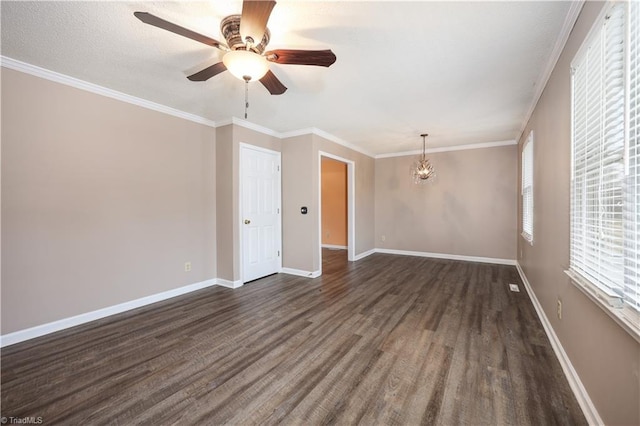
[(569, 21), (299, 132), (225, 122), (57, 77), (450, 148), (46, 74), (335, 139), (249, 125), (328, 136), (307, 131)]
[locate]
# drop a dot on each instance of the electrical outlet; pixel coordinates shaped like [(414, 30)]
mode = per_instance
[(383, 238), (559, 309), (187, 266)]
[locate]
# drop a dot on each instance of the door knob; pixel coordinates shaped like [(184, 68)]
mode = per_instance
[(247, 221)]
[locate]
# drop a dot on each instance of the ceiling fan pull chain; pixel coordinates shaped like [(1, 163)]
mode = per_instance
[(246, 96)]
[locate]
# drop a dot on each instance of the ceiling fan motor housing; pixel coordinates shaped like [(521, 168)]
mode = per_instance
[(230, 29)]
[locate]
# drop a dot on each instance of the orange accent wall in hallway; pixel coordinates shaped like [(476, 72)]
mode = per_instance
[(334, 202)]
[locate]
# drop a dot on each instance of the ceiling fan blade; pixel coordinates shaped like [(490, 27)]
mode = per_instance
[(255, 15), (273, 85), (208, 72), (150, 19), (321, 58)]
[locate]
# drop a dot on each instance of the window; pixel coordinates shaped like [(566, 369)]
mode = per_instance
[(527, 189), (605, 213)]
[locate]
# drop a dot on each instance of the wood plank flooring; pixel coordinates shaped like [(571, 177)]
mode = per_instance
[(386, 340)]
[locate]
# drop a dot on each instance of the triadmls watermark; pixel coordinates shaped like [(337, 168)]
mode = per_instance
[(28, 420)]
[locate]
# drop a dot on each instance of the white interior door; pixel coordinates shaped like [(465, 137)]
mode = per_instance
[(260, 221)]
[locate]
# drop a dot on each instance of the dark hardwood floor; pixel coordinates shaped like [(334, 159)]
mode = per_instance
[(386, 340)]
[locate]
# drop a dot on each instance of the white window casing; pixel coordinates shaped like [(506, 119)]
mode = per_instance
[(527, 189), (605, 170)]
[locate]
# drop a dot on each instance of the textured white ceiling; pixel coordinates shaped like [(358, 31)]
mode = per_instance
[(465, 72)]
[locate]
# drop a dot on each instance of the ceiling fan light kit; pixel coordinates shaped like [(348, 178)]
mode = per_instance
[(245, 63), (422, 170)]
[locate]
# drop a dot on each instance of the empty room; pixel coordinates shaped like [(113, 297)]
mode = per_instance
[(320, 212)]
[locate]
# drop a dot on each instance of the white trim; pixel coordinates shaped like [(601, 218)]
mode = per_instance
[(364, 254), (229, 284), (493, 260), (249, 125), (299, 132), (589, 410), (337, 140), (527, 161), (327, 136), (301, 273), (41, 330), (334, 246), (114, 94), (567, 26), (260, 149), (450, 148), (99, 90)]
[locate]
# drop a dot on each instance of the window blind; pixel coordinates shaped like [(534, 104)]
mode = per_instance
[(632, 199), (527, 188), (605, 169)]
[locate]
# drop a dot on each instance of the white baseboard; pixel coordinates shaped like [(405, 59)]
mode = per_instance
[(41, 330), (493, 260), (229, 284), (301, 273), (364, 254), (333, 246), (589, 410)]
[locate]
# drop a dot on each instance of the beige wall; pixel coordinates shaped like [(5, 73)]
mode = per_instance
[(225, 200), (301, 187), (298, 230), (606, 358), (468, 210), (102, 202), (334, 202)]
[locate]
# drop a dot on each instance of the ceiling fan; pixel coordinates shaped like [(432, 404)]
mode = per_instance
[(246, 38)]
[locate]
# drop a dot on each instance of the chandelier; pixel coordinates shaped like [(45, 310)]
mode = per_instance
[(421, 169)]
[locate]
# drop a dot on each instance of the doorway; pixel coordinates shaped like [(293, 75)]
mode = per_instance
[(342, 233), (334, 204)]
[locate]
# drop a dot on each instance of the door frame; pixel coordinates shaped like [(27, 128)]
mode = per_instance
[(242, 147), (351, 205)]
